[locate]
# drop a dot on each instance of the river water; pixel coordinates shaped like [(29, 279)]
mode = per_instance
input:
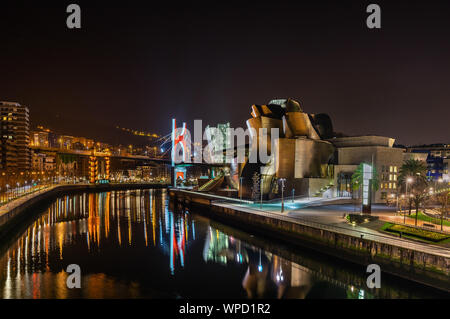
[(129, 244)]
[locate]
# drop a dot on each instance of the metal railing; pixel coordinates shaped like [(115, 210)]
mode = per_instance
[(13, 194), (357, 233)]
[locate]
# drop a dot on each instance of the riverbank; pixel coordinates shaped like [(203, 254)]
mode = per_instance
[(13, 213), (412, 261)]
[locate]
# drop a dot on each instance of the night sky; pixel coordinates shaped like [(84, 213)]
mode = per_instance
[(137, 64)]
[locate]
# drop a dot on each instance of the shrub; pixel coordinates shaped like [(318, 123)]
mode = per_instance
[(419, 233)]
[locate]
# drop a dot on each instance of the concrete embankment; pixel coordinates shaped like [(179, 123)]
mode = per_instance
[(13, 213), (399, 260)]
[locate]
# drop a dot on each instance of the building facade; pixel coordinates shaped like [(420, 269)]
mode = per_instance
[(376, 150), (15, 153), (437, 156)]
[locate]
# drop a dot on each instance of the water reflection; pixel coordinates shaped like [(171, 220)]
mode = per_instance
[(129, 245), (267, 275)]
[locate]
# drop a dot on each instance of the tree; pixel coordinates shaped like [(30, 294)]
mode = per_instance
[(357, 178), (443, 198), (413, 174)]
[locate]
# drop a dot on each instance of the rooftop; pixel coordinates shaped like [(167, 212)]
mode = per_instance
[(365, 140)]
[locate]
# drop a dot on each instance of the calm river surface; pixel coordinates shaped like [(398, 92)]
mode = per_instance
[(129, 244)]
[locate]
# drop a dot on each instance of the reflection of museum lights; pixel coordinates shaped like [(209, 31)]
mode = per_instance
[(260, 268), (280, 276)]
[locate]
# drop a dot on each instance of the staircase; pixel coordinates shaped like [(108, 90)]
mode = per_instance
[(211, 184), (320, 192)]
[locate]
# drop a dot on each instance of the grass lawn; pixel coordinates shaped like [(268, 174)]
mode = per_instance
[(429, 219), (415, 233)]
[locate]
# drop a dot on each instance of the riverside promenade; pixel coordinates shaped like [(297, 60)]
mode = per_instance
[(293, 216), (13, 212), (421, 262), (348, 229)]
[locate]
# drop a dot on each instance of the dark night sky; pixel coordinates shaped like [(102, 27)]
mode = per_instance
[(137, 65)]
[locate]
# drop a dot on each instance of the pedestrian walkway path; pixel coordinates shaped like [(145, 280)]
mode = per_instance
[(4, 209), (11, 205), (344, 228)]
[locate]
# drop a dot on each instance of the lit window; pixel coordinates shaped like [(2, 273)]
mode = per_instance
[(394, 185), (395, 169), (390, 177), (390, 185), (391, 169)]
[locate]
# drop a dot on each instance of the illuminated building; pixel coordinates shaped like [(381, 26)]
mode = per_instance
[(44, 137), (313, 160), (436, 157), (379, 150), (14, 136), (300, 153), (65, 142), (43, 161), (87, 143)]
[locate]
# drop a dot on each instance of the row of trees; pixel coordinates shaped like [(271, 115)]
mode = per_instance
[(418, 190), (414, 189), (414, 184)]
